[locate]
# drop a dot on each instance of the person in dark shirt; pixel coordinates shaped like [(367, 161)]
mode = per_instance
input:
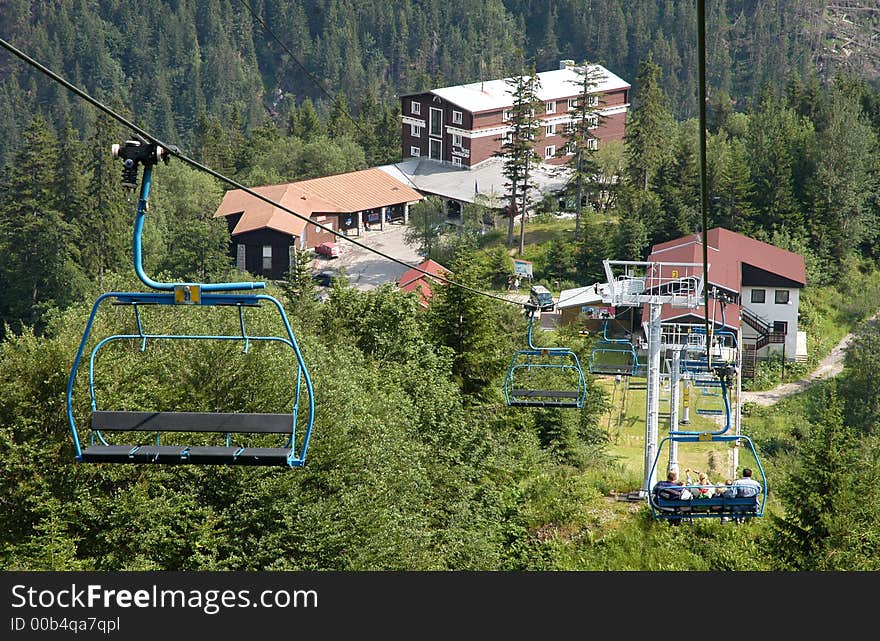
[(670, 489)]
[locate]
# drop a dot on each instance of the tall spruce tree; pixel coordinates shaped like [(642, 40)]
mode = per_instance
[(581, 145), (463, 321), (772, 134), (37, 270), (518, 147), (107, 223), (648, 130), (844, 184), (824, 459)]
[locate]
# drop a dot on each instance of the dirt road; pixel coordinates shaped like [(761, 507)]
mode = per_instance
[(830, 366)]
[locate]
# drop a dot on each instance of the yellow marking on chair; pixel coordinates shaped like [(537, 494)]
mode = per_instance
[(187, 294)]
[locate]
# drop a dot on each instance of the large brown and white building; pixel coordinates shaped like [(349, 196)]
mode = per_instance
[(465, 124)]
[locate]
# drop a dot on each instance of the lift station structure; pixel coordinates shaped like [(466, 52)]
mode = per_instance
[(652, 285)]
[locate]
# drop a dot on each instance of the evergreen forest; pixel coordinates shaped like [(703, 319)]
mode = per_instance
[(416, 463)]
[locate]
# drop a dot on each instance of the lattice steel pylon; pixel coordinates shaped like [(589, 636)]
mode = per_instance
[(654, 284)]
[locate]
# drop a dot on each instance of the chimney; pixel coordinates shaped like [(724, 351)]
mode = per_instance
[(564, 64)]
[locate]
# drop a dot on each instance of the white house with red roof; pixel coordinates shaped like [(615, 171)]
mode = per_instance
[(762, 283)]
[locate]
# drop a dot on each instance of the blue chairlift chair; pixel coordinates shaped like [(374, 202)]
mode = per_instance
[(613, 356), (544, 376), (733, 502), (238, 438)]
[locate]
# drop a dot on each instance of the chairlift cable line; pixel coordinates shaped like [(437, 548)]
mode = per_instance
[(175, 152), (704, 181)]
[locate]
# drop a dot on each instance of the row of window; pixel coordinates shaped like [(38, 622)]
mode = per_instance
[(416, 152), (781, 296), (549, 108), (416, 109), (550, 150)]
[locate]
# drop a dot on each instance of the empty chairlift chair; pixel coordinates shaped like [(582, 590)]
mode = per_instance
[(613, 356), (544, 376), (224, 437)]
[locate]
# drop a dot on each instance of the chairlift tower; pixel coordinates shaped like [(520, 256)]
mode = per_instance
[(652, 284)]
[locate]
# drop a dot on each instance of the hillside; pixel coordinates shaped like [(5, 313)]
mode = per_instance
[(848, 37), (417, 462)]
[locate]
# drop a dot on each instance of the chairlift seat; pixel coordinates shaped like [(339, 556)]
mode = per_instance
[(554, 398), (167, 454), (107, 453), (224, 423), (716, 505)]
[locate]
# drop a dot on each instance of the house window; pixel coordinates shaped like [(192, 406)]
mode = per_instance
[(782, 296), (569, 149), (508, 138), (592, 144), (759, 295), (267, 258), (456, 160), (436, 122), (551, 130), (593, 101), (549, 151), (780, 327), (592, 121), (457, 118), (550, 107), (415, 130), (456, 140), (507, 115), (415, 151), (435, 150), (572, 103), (415, 107)]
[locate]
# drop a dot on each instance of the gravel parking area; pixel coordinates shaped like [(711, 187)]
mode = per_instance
[(367, 270)]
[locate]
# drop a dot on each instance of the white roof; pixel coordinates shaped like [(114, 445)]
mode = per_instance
[(463, 184), (579, 296), (495, 94)]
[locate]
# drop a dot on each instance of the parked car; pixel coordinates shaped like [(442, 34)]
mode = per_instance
[(541, 298), (330, 250), (324, 278)]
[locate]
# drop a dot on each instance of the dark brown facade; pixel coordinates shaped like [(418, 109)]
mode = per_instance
[(264, 252), (436, 128)]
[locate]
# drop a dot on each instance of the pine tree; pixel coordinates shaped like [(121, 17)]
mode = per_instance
[(845, 180), (648, 130), (518, 147), (299, 288), (107, 224), (593, 247), (37, 270), (340, 123), (462, 320), (305, 123), (730, 184), (772, 135), (581, 144), (824, 460), (426, 220)]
